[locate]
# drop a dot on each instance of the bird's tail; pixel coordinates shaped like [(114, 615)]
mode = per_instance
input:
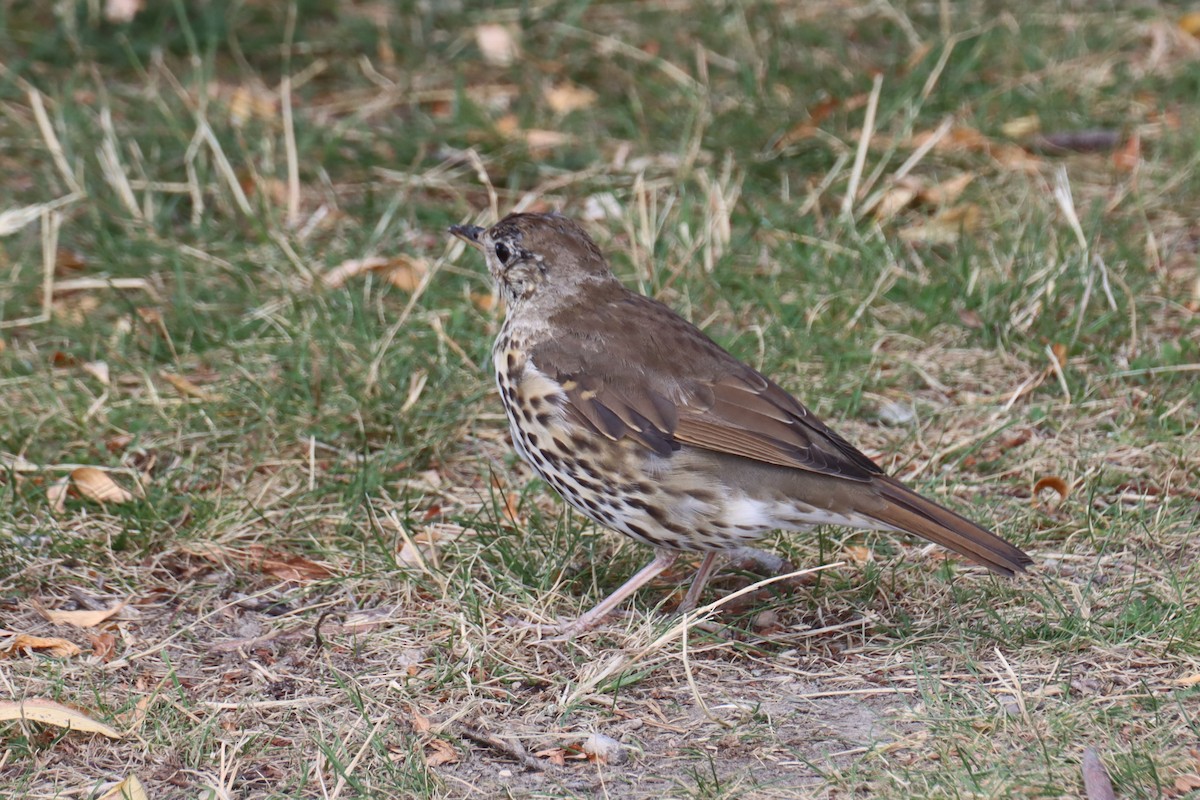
[(906, 510)]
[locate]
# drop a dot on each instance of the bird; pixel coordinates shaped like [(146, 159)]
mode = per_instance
[(648, 427)]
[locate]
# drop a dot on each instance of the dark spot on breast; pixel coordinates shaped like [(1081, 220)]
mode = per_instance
[(511, 360), (537, 401), (544, 418), (559, 443)]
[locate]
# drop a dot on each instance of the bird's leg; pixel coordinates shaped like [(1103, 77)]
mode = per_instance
[(662, 560), (703, 573)]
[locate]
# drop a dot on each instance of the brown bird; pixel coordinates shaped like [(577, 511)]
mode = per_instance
[(648, 427)]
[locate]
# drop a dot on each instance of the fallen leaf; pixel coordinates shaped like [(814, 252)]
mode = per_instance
[(898, 197), (1129, 156), (129, 789), (246, 103), (188, 389), (96, 485), (68, 260), (420, 724), (135, 718), (23, 643), (496, 44), (97, 369), (538, 139), (948, 191), (406, 273), (56, 495), (79, 619), (38, 709), (442, 753), (403, 272), (946, 227), (567, 97), (104, 645), (856, 554), (555, 755), (1020, 127), (416, 550), (1187, 783), (1060, 353), (484, 301), (284, 566), (970, 318), (1190, 23), (511, 502), (1051, 482)]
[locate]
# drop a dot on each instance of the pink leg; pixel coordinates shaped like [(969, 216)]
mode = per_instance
[(662, 560), (702, 575)]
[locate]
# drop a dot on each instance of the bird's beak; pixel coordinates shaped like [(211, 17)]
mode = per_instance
[(469, 234)]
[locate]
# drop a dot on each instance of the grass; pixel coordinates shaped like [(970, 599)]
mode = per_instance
[(334, 536)]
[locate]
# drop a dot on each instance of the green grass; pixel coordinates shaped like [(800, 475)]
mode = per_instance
[(331, 426)]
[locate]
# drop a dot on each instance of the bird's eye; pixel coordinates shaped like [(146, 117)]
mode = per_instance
[(502, 252)]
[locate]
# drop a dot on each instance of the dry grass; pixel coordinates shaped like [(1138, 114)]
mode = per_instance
[(331, 539)]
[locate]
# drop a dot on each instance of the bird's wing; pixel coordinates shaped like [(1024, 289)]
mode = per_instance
[(683, 389)]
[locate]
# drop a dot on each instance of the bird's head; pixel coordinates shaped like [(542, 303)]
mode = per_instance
[(532, 255)]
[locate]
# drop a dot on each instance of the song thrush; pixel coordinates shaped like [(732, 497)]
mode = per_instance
[(648, 427)]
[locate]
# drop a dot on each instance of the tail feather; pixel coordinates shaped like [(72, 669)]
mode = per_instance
[(909, 511)]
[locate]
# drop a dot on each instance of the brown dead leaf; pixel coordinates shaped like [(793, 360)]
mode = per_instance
[(567, 97), (56, 495), (1190, 23), (1051, 482), (420, 723), (135, 718), (1060, 353), (25, 644), (51, 713), (948, 191), (403, 272), (970, 318), (104, 645), (86, 618), (555, 755), (440, 752), (537, 139), (1187, 783), (68, 260), (484, 301), (946, 227), (856, 554), (96, 485), (406, 273), (187, 388), (129, 789), (1128, 156), (898, 197), (496, 44), (511, 502), (417, 550), (98, 370), (283, 566), (247, 103)]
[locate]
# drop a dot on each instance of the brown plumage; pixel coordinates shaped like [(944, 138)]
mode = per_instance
[(647, 426)]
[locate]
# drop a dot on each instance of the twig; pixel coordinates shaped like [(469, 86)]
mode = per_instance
[(513, 751)]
